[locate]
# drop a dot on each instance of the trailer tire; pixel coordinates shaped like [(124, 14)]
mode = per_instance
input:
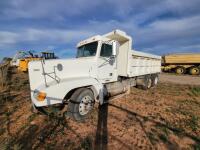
[(180, 70), (194, 70), (154, 79), (81, 103), (146, 83)]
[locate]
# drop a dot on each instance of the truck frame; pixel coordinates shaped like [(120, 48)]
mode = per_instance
[(105, 66)]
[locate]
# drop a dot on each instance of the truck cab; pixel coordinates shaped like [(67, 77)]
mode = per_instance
[(104, 54)]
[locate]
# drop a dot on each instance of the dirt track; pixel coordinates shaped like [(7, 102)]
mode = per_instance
[(164, 117), (180, 79)]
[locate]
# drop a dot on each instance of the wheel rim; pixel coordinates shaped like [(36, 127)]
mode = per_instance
[(85, 105), (156, 81), (149, 83), (179, 70), (195, 71)]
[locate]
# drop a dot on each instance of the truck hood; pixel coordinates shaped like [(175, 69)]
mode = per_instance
[(50, 72)]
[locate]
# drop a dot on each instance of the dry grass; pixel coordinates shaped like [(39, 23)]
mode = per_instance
[(165, 117)]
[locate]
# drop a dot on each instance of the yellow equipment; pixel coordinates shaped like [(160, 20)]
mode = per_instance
[(182, 63), (23, 63)]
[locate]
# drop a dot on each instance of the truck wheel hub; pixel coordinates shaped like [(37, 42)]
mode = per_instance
[(180, 71), (149, 83), (85, 105), (156, 81), (195, 71)]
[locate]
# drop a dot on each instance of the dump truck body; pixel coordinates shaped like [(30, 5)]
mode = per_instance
[(105, 66), (182, 63), (182, 59)]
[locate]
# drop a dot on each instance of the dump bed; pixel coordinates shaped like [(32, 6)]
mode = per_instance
[(143, 63), (182, 59)]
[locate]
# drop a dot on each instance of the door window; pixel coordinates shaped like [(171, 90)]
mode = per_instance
[(106, 50)]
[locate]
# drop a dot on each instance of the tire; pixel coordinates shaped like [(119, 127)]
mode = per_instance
[(180, 70), (194, 70), (154, 79), (81, 103), (147, 82)]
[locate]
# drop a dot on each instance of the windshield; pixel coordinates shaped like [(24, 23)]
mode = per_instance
[(87, 50)]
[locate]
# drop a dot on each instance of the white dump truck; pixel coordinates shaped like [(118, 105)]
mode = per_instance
[(105, 66)]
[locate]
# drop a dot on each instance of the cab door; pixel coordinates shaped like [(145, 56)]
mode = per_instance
[(107, 69)]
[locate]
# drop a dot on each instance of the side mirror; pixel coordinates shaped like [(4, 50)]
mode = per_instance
[(114, 48)]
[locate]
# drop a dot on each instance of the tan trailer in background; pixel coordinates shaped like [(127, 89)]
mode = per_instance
[(182, 63)]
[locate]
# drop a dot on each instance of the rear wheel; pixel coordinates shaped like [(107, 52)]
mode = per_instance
[(81, 103), (194, 71), (180, 70), (154, 79), (146, 83)]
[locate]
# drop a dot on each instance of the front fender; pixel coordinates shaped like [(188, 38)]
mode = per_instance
[(56, 92)]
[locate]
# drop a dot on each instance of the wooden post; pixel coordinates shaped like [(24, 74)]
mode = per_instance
[(3, 73), (1, 76)]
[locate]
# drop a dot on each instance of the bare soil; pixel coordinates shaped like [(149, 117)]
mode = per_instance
[(180, 79), (164, 117)]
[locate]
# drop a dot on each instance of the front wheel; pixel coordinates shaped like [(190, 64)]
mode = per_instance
[(81, 103)]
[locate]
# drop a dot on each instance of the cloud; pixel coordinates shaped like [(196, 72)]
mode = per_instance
[(156, 26), (49, 9), (176, 32), (7, 37), (41, 39), (43, 35)]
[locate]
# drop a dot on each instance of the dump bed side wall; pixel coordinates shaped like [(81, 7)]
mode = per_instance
[(122, 60), (182, 59), (142, 64)]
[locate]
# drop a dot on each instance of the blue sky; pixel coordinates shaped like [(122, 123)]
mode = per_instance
[(157, 26)]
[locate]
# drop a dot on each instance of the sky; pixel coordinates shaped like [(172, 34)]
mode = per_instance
[(157, 26)]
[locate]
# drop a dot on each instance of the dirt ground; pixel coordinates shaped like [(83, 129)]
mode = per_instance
[(180, 79), (164, 117)]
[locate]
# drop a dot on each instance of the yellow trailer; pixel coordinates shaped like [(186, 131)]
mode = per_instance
[(182, 63)]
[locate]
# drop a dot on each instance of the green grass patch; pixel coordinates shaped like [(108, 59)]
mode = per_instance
[(193, 122), (195, 91), (152, 137), (164, 138), (31, 117), (2, 131), (86, 144), (196, 146)]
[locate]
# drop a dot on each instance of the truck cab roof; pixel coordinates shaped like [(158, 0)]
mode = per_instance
[(116, 35)]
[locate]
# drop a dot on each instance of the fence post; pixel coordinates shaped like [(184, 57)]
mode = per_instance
[(3, 74)]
